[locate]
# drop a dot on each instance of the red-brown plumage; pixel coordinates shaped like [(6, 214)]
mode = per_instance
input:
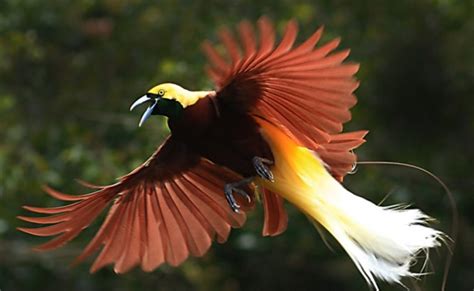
[(276, 218), (307, 91), (225, 135), (173, 205)]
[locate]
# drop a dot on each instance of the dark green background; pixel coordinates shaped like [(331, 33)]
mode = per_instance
[(70, 69)]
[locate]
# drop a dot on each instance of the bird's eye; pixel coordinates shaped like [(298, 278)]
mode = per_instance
[(161, 92)]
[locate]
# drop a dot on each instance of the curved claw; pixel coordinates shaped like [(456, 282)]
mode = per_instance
[(260, 165), (228, 189), (233, 187), (243, 193)]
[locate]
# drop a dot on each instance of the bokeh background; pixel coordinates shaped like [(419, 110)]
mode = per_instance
[(70, 69)]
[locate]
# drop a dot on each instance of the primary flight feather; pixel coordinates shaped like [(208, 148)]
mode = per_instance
[(274, 123)]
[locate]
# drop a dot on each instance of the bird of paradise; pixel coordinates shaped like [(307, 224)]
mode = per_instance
[(272, 128)]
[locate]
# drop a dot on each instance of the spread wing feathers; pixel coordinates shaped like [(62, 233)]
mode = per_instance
[(276, 218), (305, 89), (170, 207), (338, 152)]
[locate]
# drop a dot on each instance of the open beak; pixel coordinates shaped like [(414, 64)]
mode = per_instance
[(148, 111)]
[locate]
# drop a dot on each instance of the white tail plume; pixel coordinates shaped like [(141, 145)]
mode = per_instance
[(382, 241)]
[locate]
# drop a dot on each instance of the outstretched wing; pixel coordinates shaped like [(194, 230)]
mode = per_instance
[(170, 207), (306, 90)]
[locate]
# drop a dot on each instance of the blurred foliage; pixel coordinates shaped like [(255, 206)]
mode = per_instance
[(70, 69)]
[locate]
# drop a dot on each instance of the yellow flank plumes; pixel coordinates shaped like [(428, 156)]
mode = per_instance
[(184, 97), (382, 241)]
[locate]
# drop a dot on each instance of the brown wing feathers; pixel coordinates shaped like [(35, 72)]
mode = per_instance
[(276, 218), (307, 90), (161, 213), (173, 206), (338, 152)]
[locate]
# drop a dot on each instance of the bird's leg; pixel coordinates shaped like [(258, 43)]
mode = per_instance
[(262, 169), (234, 187)]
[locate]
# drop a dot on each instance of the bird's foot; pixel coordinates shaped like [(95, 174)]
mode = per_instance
[(230, 188), (262, 168)]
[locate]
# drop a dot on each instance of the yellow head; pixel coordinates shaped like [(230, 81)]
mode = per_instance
[(175, 92), (169, 100)]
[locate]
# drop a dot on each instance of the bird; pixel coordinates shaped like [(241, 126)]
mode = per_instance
[(270, 131)]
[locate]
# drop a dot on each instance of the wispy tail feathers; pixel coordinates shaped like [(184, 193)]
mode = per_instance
[(382, 241)]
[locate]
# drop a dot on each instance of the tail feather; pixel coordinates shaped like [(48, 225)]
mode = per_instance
[(382, 241)]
